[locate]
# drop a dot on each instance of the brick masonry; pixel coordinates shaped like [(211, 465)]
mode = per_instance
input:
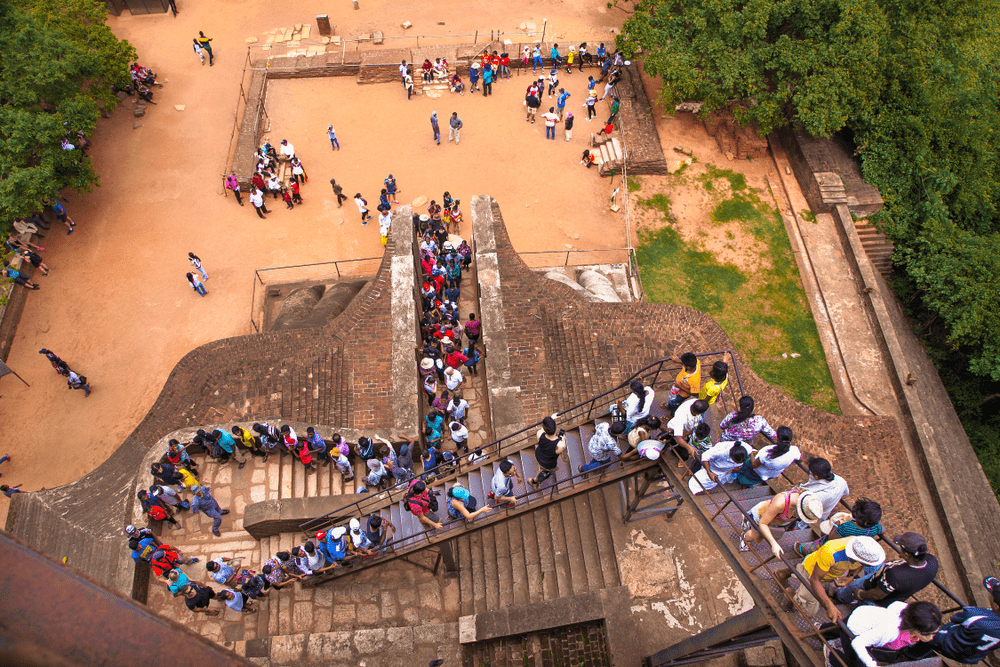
[(338, 375), (564, 350), (583, 645)]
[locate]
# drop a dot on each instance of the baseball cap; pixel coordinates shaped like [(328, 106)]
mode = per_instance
[(865, 550), (338, 532), (321, 535), (460, 492), (129, 529), (912, 543), (992, 584), (809, 507), (355, 525), (434, 113), (195, 489)]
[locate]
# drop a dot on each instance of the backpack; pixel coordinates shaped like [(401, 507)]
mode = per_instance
[(411, 503)]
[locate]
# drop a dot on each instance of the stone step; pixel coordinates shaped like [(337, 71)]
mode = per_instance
[(546, 553), (491, 568), (560, 552), (588, 541), (532, 558), (478, 572), (518, 568), (505, 570), (465, 586), (618, 150), (605, 540)]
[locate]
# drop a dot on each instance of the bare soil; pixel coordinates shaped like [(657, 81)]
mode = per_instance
[(117, 306)]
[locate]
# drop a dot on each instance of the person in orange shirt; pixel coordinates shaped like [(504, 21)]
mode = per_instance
[(687, 383)]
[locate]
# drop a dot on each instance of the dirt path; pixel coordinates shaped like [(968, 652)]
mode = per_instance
[(117, 306)]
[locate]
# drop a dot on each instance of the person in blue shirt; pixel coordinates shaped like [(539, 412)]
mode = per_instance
[(317, 445), (335, 546), (561, 101), (228, 444), (143, 549)]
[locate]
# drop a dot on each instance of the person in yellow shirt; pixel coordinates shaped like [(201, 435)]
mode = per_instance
[(835, 559), (188, 480), (718, 380), (688, 382)]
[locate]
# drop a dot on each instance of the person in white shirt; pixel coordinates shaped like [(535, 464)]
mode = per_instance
[(686, 418), (503, 485), (362, 205), (769, 462), (257, 199), (459, 435), (453, 379), (384, 223), (457, 408), (718, 465), (894, 627), (287, 150), (636, 405)]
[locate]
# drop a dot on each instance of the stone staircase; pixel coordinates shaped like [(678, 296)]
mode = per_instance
[(557, 551), (434, 88), (878, 248), (611, 153)]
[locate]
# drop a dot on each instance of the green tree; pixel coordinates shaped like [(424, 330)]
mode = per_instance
[(59, 65), (916, 83)]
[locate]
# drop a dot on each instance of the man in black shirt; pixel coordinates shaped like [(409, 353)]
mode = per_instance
[(900, 579), (197, 597)]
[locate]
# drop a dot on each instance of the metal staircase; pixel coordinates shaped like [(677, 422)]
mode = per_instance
[(412, 536), (722, 513)]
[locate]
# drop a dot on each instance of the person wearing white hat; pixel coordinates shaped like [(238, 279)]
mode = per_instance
[(335, 546), (781, 506), (835, 559), (358, 543)]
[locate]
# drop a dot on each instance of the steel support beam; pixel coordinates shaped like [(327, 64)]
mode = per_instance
[(744, 624)]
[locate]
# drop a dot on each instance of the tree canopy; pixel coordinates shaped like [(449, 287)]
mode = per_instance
[(916, 83), (59, 65)]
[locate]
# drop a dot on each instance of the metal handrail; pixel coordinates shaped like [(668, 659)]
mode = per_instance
[(785, 561), (452, 524), (881, 537), (501, 447)]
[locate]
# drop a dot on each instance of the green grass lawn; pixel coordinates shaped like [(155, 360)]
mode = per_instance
[(762, 307)]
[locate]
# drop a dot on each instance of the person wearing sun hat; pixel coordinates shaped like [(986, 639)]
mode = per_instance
[(835, 559), (781, 506)]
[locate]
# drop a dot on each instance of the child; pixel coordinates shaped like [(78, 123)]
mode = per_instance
[(287, 196), (473, 354), (588, 158), (701, 438)]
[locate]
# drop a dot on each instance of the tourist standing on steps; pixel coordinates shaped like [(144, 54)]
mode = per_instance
[(362, 205), (334, 144), (196, 263), (454, 127), (205, 43), (339, 192), (435, 127), (204, 502), (257, 199), (234, 185), (551, 445)]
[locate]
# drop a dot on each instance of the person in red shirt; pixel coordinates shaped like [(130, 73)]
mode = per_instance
[(505, 65), (426, 69), (296, 197), (455, 358)]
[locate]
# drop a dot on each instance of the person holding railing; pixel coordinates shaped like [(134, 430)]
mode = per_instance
[(864, 519), (769, 462), (502, 484), (889, 631), (719, 465), (636, 405), (806, 506), (828, 486), (837, 558), (896, 581), (603, 445), (686, 419), (461, 503), (744, 425), (687, 383)]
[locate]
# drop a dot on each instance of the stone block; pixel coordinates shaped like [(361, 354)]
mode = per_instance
[(322, 619), (287, 648), (367, 614), (388, 605), (430, 595), (369, 641), (435, 633), (323, 596), (323, 648), (302, 621), (343, 615), (400, 640)]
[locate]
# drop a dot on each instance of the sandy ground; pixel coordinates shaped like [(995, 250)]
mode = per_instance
[(117, 306)]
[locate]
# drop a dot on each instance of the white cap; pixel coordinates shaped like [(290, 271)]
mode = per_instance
[(338, 532), (355, 525), (129, 529)]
